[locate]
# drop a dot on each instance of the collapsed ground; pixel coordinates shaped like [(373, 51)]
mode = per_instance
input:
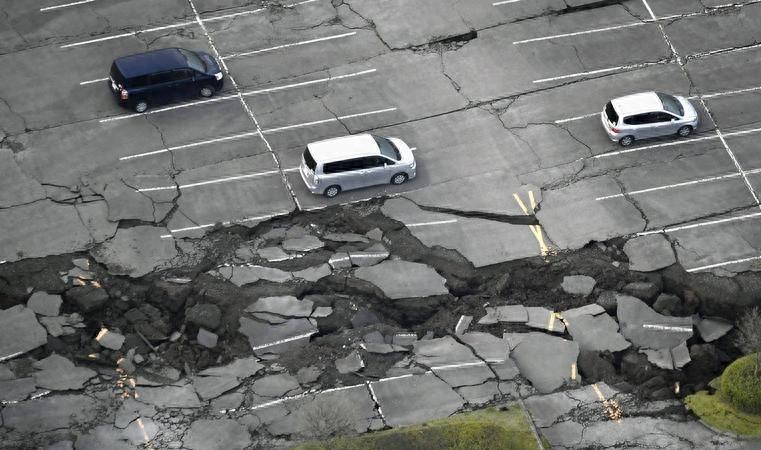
[(348, 331)]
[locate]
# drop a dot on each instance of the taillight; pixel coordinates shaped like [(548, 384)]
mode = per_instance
[(123, 94), (615, 130)]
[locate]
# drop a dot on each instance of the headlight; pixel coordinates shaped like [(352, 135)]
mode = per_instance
[(218, 76)]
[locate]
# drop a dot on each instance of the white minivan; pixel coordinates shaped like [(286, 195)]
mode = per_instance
[(352, 162)]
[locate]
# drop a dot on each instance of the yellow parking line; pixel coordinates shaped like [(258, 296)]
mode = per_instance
[(551, 322), (536, 230), (573, 371)]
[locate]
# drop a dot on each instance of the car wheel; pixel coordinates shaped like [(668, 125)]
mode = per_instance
[(332, 191), (685, 131), (399, 178), (206, 91), (626, 141), (141, 106)]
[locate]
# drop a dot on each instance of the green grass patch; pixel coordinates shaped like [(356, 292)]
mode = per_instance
[(486, 429), (720, 414), (741, 384)]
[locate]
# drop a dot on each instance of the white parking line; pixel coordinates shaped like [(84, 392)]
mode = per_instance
[(244, 94), (700, 224), (425, 224), (226, 223), (599, 71), (99, 80), (284, 341), (579, 33), (176, 25), (571, 119), (216, 181), (676, 185), (504, 2), (65, 5), (722, 264), (680, 142), (295, 44)]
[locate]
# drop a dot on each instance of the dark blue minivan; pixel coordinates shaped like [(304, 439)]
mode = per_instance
[(162, 76)]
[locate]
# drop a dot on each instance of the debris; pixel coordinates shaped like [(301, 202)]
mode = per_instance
[(508, 313), (50, 413), (403, 279), (302, 244), (59, 374), (109, 339), (643, 290), (462, 324), (596, 333), (206, 338), (649, 253), (546, 361), (712, 328), (204, 315), (578, 285), (322, 311), (273, 254), (19, 332), (182, 396), (351, 363), (288, 306), (12, 391), (544, 319), (645, 328), (340, 260), (45, 304)]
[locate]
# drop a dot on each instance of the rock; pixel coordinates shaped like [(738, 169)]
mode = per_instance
[(50, 413), (19, 332), (351, 363), (403, 279), (302, 244), (643, 290), (45, 304), (596, 333), (315, 273), (136, 251), (275, 386), (287, 305), (546, 361), (594, 368), (635, 367), (680, 355), (109, 339), (275, 234), (667, 304), (307, 375), (322, 311), (169, 295), (242, 275), (345, 237), (62, 325), (544, 319), (712, 328), (649, 253), (402, 404), (227, 402), (645, 328), (206, 338), (608, 300), (369, 257), (204, 315), (340, 260), (375, 234), (273, 254), (220, 434), (183, 396), (59, 374), (363, 318), (16, 390), (578, 285), (462, 324), (88, 298)]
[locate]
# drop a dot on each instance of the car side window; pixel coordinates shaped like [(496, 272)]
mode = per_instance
[(663, 117), (371, 162), (639, 119), (141, 81), (182, 74), (162, 77)]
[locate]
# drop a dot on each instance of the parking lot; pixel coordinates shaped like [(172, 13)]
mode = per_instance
[(500, 101)]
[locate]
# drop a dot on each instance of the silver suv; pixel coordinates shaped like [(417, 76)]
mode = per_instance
[(648, 115), (351, 162)]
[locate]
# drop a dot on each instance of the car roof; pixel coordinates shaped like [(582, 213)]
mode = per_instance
[(337, 149), (643, 102), (151, 62)]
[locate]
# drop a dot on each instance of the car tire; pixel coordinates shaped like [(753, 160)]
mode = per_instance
[(399, 178), (332, 191), (206, 91), (684, 131), (626, 141), (141, 106)]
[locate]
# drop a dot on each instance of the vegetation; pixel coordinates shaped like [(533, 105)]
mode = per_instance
[(720, 414), (741, 385), (749, 335), (487, 429)]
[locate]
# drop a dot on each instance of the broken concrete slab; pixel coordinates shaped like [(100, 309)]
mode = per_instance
[(592, 309), (508, 313), (370, 256), (59, 374), (544, 319), (545, 410), (275, 386), (219, 434), (322, 311), (315, 273), (578, 285), (273, 254), (596, 333), (206, 338), (345, 237), (242, 275), (340, 260), (505, 370), (103, 437), (680, 355), (227, 402), (350, 363), (45, 304), (469, 374), (649, 253), (183, 396), (661, 358), (130, 410), (240, 368), (644, 327), (712, 328), (442, 351), (402, 403), (286, 305), (462, 324), (110, 339), (481, 394), (266, 338), (62, 325), (487, 346), (19, 332), (141, 431), (212, 387), (50, 413), (307, 375), (305, 243), (643, 290), (16, 390), (136, 251), (404, 279), (546, 361)]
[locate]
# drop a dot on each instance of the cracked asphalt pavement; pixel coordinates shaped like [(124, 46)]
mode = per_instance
[(500, 102)]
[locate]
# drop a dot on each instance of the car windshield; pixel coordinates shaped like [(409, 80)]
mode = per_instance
[(387, 148), (193, 60), (671, 104)]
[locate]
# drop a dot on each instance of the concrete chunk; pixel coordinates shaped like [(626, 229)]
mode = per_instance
[(402, 403), (45, 304), (544, 319), (351, 363), (546, 361), (286, 305), (302, 244), (596, 333), (50, 413), (712, 328), (16, 390), (649, 253), (314, 273), (169, 396), (19, 332), (578, 285), (109, 339), (206, 338), (647, 329), (59, 374), (404, 279), (507, 313), (220, 434)]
